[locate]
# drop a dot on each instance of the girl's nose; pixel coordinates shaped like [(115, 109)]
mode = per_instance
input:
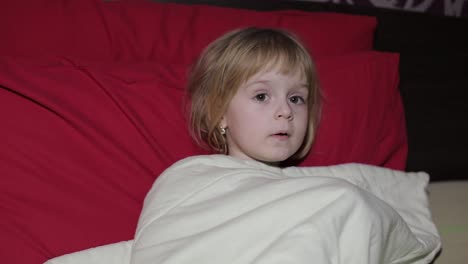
[(284, 111)]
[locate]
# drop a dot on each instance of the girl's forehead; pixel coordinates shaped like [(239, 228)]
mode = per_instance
[(293, 79), (269, 72)]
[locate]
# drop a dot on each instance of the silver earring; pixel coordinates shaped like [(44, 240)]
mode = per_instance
[(222, 130)]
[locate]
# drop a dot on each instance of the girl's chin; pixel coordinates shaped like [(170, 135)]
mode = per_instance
[(274, 161)]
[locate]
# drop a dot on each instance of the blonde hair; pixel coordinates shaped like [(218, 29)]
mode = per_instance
[(230, 61)]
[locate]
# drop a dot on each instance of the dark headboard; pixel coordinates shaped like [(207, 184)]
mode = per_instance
[(433, 78)]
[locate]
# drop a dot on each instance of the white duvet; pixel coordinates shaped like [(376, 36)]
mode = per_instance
[(218, 209)]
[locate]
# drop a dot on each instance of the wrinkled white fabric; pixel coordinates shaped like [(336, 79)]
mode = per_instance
[(219, 209)]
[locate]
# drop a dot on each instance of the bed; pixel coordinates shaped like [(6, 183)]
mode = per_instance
[(92, 108)]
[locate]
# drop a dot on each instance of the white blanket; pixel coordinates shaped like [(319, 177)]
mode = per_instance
[(218, 209)]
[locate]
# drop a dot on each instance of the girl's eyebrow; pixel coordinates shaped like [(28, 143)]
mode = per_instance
[(302, 86), (297, 87), (260, 81)]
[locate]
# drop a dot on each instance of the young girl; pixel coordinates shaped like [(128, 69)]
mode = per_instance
[(254, 100)]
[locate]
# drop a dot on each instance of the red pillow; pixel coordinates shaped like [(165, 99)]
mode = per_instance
[(80, 148), (362, 114), (173, 33), (83, 142), (32, 28), (176, 33)]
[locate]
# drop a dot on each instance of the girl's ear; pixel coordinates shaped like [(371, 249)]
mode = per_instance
[(223, 123)]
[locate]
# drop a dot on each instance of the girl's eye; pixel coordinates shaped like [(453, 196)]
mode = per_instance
[(261, 97), (297, 99)]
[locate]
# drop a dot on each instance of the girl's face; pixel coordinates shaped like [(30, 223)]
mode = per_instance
[(267, 118)]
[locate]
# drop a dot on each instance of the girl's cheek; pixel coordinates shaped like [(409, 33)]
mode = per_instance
[(300, 107)]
